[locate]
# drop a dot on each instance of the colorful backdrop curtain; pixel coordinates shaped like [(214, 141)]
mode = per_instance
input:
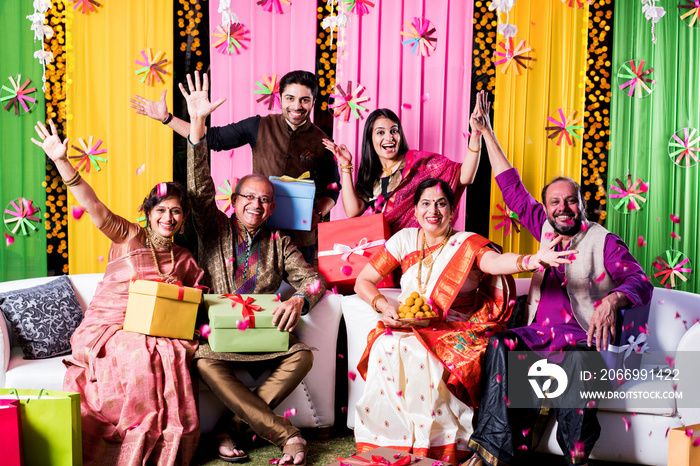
[(430, 94), (557, 35), (278, 43), (22, 164), (641, 130), (102, 51)]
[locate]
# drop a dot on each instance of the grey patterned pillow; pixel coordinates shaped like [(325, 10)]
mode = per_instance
[(43, 317)]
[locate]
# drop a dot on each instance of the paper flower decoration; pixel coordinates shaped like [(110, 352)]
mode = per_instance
[(509, 219), (671, 265), (631, 77), (683, 147), (151, 67), (347, 102), (270, 91), (359, 7), (273, 6), (516, 59), (86, 5), (233, 41), (631, 195), (420, 37), (88, 155), (224, 196), (21, 216), (576, 3), (141, 219), (17, 95), (562, 127), (692, 16)]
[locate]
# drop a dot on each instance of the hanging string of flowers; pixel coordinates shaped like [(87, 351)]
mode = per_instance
[(41, 31)]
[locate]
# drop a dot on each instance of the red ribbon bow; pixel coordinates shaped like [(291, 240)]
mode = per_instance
[(375, 461), (248, 307)]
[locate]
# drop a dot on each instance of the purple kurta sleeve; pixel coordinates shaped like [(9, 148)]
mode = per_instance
[(530, 212), (626, 272)]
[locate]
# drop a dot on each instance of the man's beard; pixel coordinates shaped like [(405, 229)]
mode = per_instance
[(569, 230)]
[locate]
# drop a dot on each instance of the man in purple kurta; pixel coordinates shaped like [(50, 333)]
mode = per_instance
[(568, 305)]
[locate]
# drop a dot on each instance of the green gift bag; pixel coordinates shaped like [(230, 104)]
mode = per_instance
[(51, 427)]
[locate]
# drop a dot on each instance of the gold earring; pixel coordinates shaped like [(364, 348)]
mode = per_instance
[(182, 229)]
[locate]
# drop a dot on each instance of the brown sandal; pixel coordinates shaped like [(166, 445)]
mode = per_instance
[(293, 449), (225, 440)]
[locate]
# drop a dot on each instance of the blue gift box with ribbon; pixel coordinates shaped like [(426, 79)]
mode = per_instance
[(294, 203), (625, 352)]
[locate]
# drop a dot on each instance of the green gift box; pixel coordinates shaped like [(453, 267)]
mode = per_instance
[(259, 336)]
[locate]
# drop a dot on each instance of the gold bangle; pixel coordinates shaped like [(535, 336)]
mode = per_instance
[(348, 166), (519, 263), (74, 180), (344, 170), (472, 150), (374, 302)]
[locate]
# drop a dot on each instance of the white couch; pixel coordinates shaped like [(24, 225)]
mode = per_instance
[(313, 399), (646, 441)]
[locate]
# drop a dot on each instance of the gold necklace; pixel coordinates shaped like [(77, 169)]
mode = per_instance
[(423, 288), (155, 240), (388, 170)]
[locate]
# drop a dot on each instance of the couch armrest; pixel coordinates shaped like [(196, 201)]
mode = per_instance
[(688, 376), (4, 350), (318, 329), (360, 319)]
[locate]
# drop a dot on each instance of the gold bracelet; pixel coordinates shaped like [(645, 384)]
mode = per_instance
[(472, 150), (344, 170), (74, 180), (519, 263), (348, 166), (374, 302)]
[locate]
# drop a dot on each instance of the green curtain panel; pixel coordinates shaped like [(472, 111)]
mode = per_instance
[(665, 99), (22, 164)]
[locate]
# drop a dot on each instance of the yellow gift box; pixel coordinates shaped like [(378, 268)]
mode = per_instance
[(681, 451), (161, 309)]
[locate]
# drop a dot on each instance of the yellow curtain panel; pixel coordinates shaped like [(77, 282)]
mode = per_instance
[(552, 86), (113, 53)]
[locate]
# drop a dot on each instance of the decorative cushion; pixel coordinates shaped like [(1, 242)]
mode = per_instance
[(43, 317)]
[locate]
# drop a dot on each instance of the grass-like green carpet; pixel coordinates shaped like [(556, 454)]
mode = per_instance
[(324, 451)]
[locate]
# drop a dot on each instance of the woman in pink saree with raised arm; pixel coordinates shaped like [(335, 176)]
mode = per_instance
[(137, 400), (389, 172)]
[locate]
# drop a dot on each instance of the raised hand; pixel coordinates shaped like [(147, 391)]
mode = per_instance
[(547, 256), (158, 110), (341, 152), (50, 142), (197, 97), (479, 121)]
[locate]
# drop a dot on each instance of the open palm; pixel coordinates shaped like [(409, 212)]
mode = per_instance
[(197, 97), (50, 142)]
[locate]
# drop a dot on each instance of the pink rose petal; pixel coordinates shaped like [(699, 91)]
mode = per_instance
[(314, 287), (675, 218), (100, 258), (689, 432), (352, 375), (600, 278), (641, 242), (141, 169), (407, 106), (205, 330), (333, 187), (675, 236), (9, 239), (289, 413), (242, 324), (670, 361), (627, 423), (77, 211), (346, 270)]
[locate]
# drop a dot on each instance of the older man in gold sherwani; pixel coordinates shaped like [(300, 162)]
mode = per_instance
[(241, 255)]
